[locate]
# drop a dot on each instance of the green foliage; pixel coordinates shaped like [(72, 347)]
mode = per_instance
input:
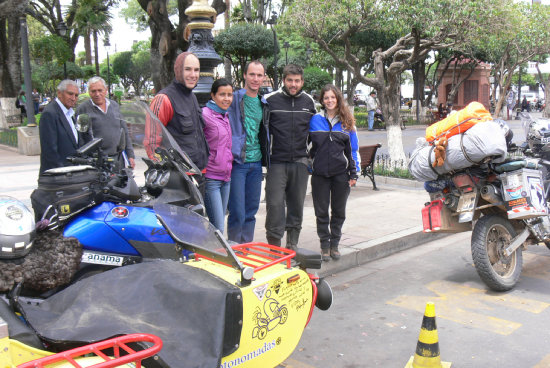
[(48, 48), (315, 78), (133, 67), (242, 43), (134, 14), (8, 137), (88, 71), (526, 80)]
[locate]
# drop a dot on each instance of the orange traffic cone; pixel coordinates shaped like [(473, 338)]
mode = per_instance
[(427, 348)]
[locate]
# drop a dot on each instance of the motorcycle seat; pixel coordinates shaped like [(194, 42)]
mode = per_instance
[(17, 329), (516, 165), (510, 166)]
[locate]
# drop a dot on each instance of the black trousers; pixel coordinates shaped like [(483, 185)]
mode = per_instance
[(285, 192), (332, 191)]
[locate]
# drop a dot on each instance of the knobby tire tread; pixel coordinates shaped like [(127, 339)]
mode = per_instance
[(481, 257)]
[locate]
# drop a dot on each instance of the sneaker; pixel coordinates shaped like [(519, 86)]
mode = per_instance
[(334, 253), (325, 253)]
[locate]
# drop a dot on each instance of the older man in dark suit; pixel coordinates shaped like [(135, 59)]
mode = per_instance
[(59, 138)]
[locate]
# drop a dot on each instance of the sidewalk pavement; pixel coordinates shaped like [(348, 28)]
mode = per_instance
[(378, 223)]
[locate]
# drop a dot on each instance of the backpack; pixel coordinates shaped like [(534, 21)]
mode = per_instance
[(17, 103)]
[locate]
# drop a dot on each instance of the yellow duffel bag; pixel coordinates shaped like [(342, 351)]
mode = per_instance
[(458, 122)]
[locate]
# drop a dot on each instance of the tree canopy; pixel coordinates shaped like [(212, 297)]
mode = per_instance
[(419, 27), (242, 43)]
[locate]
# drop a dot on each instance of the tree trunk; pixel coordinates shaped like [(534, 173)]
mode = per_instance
[(226, 61), (338, 78), (88, 48), (387, 88), (10, 49), (96, 56)]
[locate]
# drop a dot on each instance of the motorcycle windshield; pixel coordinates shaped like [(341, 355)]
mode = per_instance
[(148, 132), (194, 232)]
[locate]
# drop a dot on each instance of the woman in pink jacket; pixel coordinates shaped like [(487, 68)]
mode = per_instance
[(218, 135)]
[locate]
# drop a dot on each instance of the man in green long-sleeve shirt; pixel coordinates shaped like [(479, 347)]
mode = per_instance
[(107, 123)]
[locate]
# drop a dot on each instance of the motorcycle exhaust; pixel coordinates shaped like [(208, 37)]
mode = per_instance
[(492, 195)]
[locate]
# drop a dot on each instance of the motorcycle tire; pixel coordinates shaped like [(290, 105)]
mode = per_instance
[(491, 235)]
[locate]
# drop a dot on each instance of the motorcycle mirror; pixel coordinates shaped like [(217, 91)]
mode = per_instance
[(83, 123)]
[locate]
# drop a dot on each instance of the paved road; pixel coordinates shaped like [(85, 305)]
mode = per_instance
[(378, 308)]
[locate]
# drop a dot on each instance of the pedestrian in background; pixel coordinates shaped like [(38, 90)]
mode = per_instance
[(372, 104), (249, 119), (35, 100), (291, 110), (217, 131), (335, 166), (106, 122), (510, 102), (21, 103), (525, 106)]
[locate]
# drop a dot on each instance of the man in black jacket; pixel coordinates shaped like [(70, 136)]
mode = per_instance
[(58, 135), (286, 184)]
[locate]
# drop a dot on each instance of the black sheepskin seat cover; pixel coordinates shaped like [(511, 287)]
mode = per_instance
[(52, 262)]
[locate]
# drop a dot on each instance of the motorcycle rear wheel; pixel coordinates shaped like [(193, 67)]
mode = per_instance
[(491, 235)]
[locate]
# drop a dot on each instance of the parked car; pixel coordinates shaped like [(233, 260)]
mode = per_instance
[(265, 90), (360, 97)]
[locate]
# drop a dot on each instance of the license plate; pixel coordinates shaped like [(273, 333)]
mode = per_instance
[(545, 140), (467, 202), (466, 206), (101, 259)]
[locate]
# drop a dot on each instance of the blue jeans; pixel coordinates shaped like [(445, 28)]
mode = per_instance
[(215, 200), (371, 119), (244, 201)]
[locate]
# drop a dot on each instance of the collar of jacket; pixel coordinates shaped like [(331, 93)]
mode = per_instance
[(286, 93), (182, 87), (240, 95)]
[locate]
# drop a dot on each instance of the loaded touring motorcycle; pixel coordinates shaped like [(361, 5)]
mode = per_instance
[(212, 304), (502, 196)]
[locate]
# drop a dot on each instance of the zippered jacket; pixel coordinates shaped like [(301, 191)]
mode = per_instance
[(218, 135), (238, 131), (289, 124), (334, 150)]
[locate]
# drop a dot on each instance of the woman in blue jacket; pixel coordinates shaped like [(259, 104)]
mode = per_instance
[(335, 167)]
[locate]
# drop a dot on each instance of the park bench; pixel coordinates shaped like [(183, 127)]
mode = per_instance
[(368, 155)]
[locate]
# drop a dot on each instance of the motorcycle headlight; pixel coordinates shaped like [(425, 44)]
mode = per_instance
[(163, 178), (151, 176)]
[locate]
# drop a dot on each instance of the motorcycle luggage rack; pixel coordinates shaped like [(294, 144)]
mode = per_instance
[(259, 256), (117, 344)]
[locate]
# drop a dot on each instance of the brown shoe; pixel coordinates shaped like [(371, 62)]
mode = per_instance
[(335, 254), (325, 253)]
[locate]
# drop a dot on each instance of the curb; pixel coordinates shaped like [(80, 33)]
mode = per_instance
[(398, 181), (374, 249)]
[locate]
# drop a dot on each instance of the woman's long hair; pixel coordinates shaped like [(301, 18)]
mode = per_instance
[(343, 111)]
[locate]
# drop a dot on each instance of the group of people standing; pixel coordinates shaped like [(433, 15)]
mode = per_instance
[(239, 132), (229, 140)]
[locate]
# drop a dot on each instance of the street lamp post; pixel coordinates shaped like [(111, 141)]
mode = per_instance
[(27, 71), (62, 29), (107, 44), (201, 43), (309, 51), (286, 45), (272, 21)]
